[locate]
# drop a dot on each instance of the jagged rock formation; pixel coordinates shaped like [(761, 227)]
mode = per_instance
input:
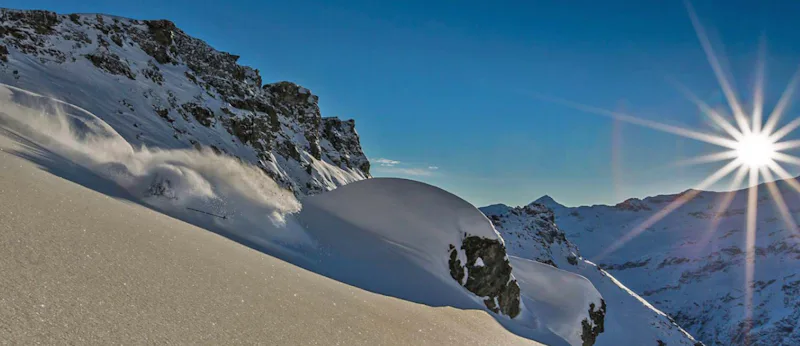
[(157, 86)]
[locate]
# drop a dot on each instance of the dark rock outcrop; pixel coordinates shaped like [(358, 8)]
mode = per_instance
[(594, 325), (488, 274), (111, 63), (203, 115)]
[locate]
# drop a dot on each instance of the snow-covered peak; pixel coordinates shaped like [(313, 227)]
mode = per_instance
[(548, 201), (161, 88)]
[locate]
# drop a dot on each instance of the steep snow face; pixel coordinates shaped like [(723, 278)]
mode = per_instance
[(157, 86), (531, 233), (691, 264)]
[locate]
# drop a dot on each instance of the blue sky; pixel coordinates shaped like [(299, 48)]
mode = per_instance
[(448, 89)]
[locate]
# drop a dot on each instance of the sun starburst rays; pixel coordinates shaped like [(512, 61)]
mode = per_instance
[(754, 145), (716, 66)]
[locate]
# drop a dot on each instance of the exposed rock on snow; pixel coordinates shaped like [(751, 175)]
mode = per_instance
[(492, 278), (423, 220), (593, 326), (158, 86), (530, 230)]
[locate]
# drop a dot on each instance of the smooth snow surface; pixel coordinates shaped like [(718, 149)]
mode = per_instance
[(400, 229)]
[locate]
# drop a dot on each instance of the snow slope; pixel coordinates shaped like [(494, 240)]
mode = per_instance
[(530, 233), (691, 264), (80, 267), (394, 237)]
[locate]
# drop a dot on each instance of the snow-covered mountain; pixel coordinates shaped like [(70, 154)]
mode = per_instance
[(691, 264), (531, 233), (157, 86)]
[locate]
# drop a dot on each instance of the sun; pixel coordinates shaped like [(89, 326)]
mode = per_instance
[(754, 144), (755, 150)]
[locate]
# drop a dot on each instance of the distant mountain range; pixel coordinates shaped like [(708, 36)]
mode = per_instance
[(690, 264)]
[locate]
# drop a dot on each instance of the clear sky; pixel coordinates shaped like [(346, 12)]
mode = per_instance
[(445, 91)]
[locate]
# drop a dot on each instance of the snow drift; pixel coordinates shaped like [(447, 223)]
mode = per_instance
[(403, 232)]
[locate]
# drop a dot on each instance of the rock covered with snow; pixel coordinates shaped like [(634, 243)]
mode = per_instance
[(621, 317), (633, 204), (531, 232), (157, 86), (486, 273), (548, 202)]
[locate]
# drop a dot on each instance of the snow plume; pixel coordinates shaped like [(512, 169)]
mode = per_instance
[(174, 181)]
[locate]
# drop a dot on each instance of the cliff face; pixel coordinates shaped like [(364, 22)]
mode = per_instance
[(159, 87)]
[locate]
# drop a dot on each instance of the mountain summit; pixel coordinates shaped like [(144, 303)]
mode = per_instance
[(549, 202)]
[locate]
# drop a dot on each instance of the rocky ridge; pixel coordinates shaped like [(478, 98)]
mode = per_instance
[(158, 86)]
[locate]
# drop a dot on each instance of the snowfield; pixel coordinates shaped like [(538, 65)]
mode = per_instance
[(393, 237)]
